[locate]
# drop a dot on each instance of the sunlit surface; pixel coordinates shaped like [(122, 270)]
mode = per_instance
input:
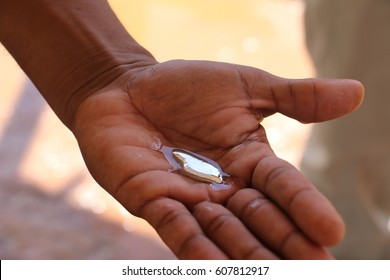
[(50, 206)]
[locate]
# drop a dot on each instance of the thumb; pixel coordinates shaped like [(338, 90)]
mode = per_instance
[(316, 100), (306, 100)]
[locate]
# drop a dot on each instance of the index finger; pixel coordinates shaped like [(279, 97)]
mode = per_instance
[(306, 206)]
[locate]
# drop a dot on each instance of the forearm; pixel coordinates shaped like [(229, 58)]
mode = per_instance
[(68, 48)]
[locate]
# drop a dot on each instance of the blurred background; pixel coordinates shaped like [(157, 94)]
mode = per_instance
[(50, 206)]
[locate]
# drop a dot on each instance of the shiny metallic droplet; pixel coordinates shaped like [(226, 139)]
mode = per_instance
[(198, 168)]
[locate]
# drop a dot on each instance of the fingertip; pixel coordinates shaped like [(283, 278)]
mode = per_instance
[(316, 99), (356, 90), (330, 228), (322, 224), (333, 233), (336, 98)]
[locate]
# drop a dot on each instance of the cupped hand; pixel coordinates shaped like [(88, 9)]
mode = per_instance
[(269, 210)]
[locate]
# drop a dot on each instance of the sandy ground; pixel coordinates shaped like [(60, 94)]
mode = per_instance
[(50, 206)]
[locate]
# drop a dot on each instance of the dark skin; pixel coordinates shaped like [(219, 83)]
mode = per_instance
[(213, 109), (121, 105)]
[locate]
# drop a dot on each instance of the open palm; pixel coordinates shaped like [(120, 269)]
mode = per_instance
[(214, 109)]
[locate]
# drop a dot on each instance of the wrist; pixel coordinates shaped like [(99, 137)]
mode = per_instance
[(68, 48), (93, 75)]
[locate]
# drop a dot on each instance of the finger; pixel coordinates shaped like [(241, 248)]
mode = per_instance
[(309, 209), (272, 226), (179, 230), (316, 100), (225, 230), (148, 186), (306, 100), (154, 196)]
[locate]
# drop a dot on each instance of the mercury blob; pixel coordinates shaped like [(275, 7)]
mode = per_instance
[(195, 166)]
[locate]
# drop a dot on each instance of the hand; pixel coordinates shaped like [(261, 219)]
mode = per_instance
[(214, 109)]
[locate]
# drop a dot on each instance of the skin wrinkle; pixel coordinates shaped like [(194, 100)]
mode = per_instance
[(292, 95), (274, 98), (260, 250), (185, 244), (244, 136), (273, 175), (252, 252), (151, 126), (252, 136), (240, 147), (126, 184), (105, 77), (70, 114), (170, 217), (184, 135), (270, 176), (218, 222), (239, 137), (226, 157), (258, 114), (131, 83), (295, 196), (245, 87), (204, 196), (205, 143), (248, 211), (287, 238), (316, 100)]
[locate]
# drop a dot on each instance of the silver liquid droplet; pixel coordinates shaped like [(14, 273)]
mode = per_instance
[(198, 167)]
